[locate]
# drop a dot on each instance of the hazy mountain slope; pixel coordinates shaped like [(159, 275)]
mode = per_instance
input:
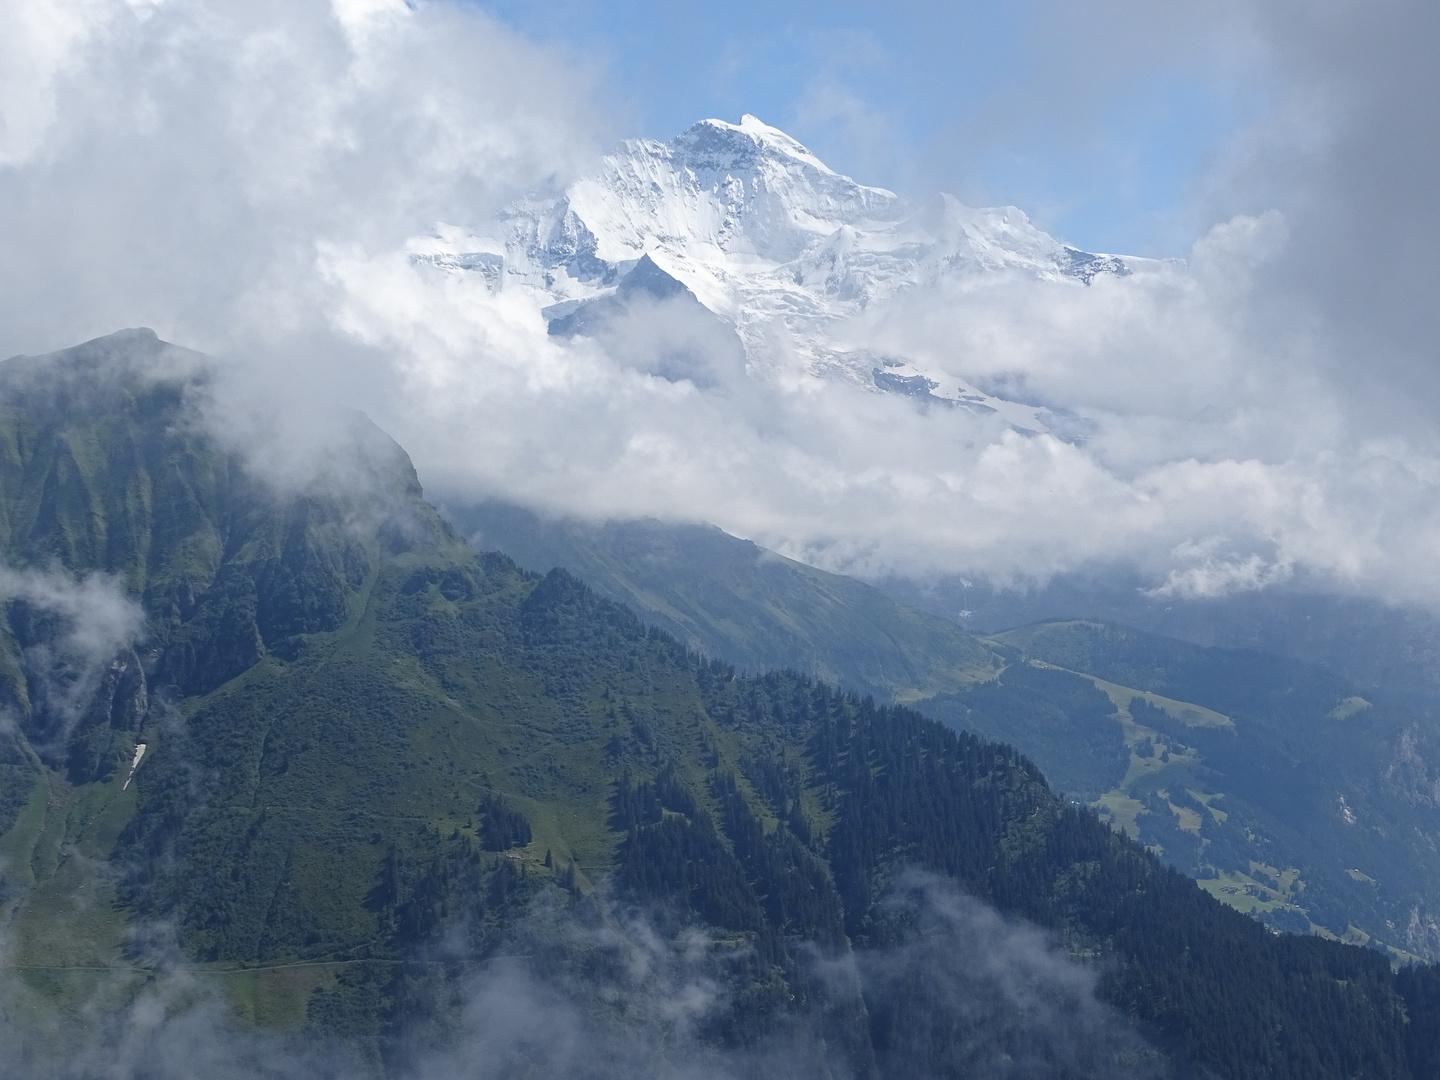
[(1278, 782), (1244, 793), (425, 739), (1392, 647), (730, 599)]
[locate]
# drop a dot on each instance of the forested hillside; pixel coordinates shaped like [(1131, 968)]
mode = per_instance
[(1290, 793), (372, 756)]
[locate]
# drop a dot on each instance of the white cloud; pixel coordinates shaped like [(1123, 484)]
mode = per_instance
[(246, 177), (175, 165), (1214, 464), (38, 48)]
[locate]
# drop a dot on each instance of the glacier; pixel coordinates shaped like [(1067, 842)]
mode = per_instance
[(772, 241)]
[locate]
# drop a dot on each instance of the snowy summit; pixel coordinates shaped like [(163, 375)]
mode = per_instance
[(766, 236)]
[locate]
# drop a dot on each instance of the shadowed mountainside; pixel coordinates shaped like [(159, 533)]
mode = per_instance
[(742, 604)]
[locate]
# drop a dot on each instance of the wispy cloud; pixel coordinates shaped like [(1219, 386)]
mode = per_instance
[(246, 177), (602, 990), (76, 626)]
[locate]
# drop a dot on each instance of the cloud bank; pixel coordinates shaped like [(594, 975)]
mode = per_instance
[(245, 178), (602, 991)]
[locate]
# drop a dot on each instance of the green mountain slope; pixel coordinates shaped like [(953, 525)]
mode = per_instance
[(1239, 767), (740, 603), (370, 751)]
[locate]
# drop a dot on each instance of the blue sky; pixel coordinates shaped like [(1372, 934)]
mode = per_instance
[(1102, 130)]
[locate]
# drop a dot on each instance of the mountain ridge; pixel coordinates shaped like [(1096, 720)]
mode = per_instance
[(740, 603)]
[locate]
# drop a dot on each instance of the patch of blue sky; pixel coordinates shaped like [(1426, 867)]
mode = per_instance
[(1127, 178)]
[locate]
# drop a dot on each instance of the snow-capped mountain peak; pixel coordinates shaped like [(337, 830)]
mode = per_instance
[(716, 145), (764, 234), (721, 193)]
